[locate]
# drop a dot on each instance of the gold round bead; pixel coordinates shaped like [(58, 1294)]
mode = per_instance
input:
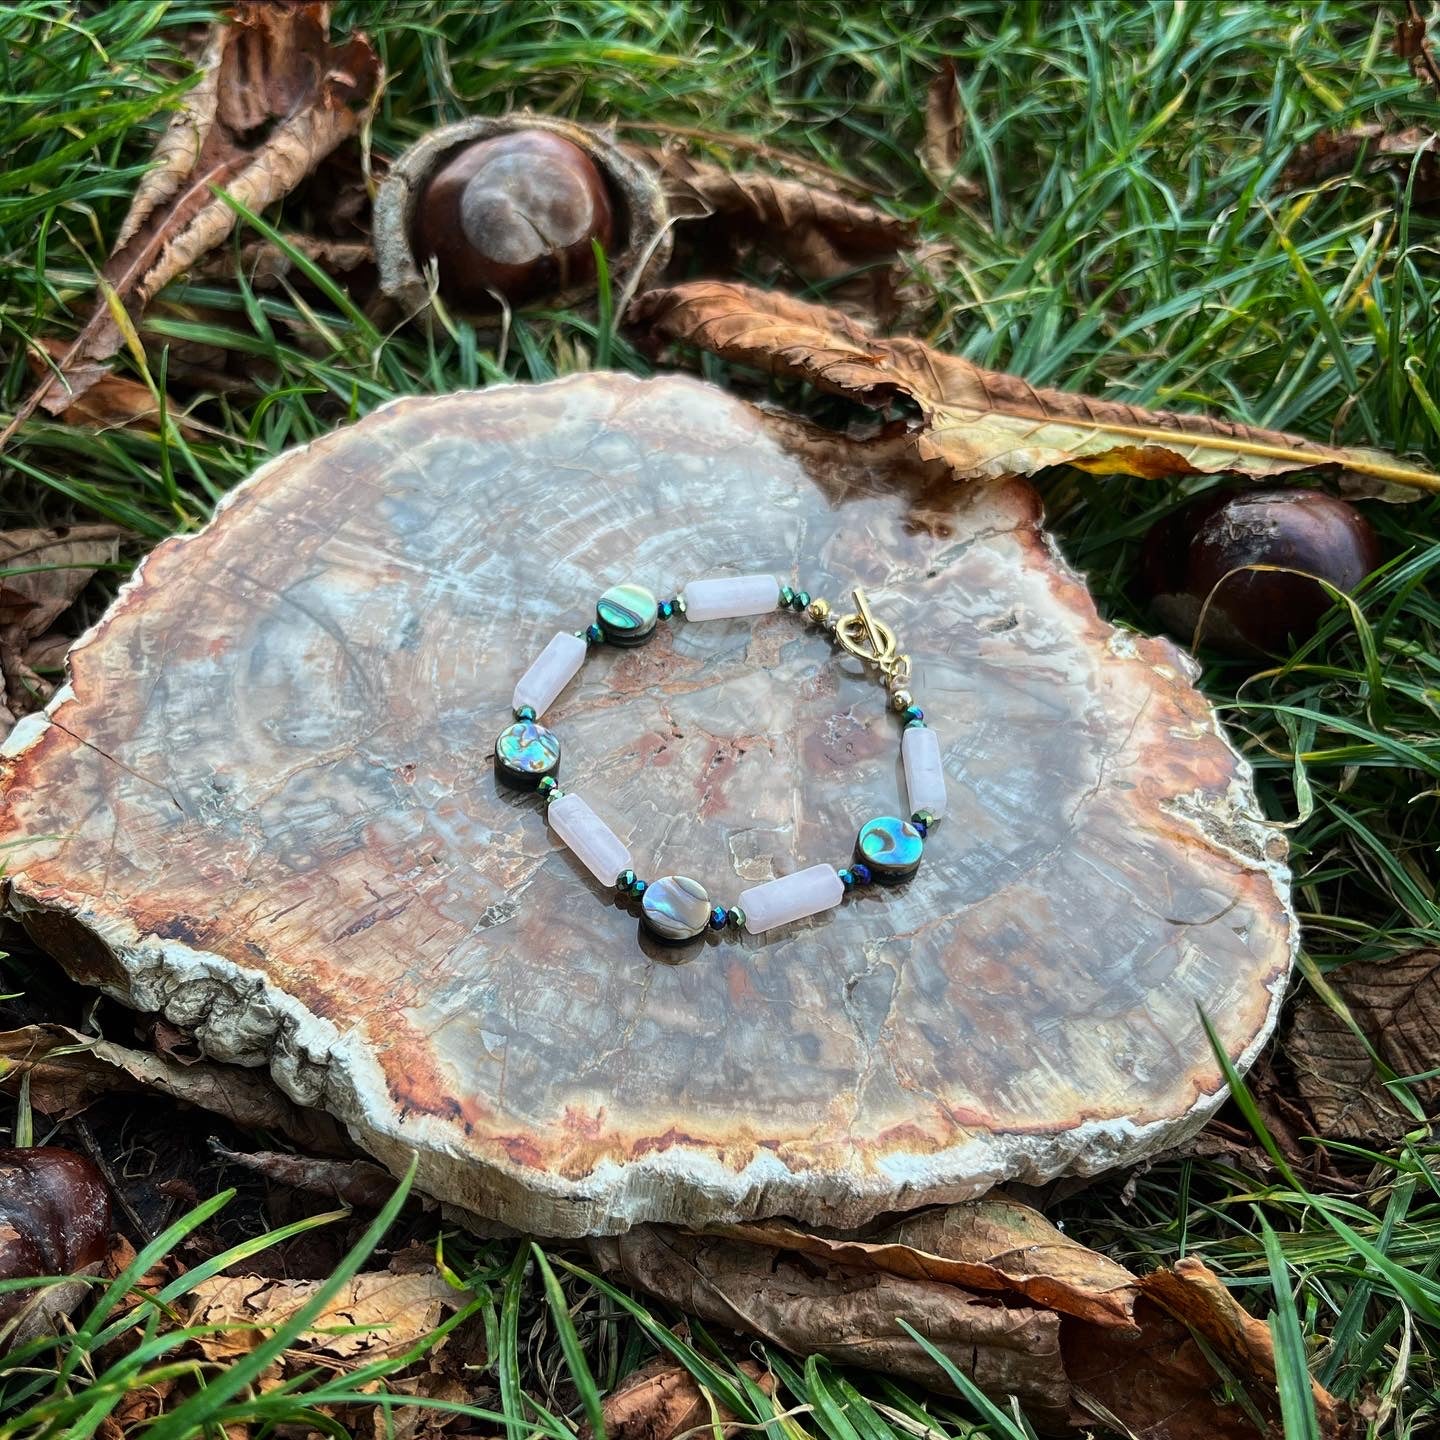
[(900, 700), (819, 609), (896, 683)]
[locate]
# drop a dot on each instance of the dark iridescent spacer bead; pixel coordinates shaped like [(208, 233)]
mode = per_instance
[(801, 600), (546, 785), (847, 878), (862, 874), (717, 918), (551, 796), (912, 713), (593, 634), (639, 888), (680, 604), (625, 881), (922, 826), (525, 712), (787, 598), (667, 609), (914, 724), (736, 917), (924, 820)]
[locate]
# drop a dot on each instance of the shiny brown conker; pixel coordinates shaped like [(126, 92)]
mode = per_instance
[(513, 215), (1190, 557), (54, 1217)]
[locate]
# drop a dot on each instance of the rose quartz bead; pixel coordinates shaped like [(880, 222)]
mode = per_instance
[(791, 897), (553, 670), (924, 771), (594, 843), (727, 598)]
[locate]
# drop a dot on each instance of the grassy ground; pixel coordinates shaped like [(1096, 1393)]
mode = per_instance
[(1135, 241)]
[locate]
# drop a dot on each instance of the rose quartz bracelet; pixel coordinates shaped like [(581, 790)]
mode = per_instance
[(675, 908)]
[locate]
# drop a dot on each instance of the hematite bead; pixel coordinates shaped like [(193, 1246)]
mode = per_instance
[(717, 918), (736, 916), (639, 888), (593, 634), (787, 598), (847, 878), (525, 712), (912, 713), (625, 881), (861, 874), (546, 785), (801, 600), (667, 609), (626, 614), (927, 818), (525, 753), (675, 908), (890, 849)]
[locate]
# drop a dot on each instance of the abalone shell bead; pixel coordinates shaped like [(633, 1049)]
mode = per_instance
[(791, 897), (526, 753), (924, 772), (675, 908), (627, 614), (593, 842), (553, 669), (729, 598), (890, 848)]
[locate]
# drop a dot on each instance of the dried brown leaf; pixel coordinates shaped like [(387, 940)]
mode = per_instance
[(376, 1315), (108, 401), (849, 1316), (857, 251), (1338, 152), (1144, 1370), (993, 1244), (277, 99), (1413, 44), (69, 1071), (352, 1182), (984, 423), (42, 571), (1396, 1004), (264, 264), (661, 1400), (944, 140)]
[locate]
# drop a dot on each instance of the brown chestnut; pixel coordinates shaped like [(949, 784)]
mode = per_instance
[(513, 215), (1191, 555), (54, 1219)]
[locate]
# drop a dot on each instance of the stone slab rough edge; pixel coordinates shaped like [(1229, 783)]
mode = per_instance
[(315, 1065)]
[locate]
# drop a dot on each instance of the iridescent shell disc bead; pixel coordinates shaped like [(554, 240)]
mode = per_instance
[(525, 753), (891, 848), (626, 614), (675, 908)]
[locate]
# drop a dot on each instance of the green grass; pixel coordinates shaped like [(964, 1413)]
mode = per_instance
[(1135, 242)]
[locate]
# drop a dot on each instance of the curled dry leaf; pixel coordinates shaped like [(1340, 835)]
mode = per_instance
[(661, 1401), (944, 139), (69, 1071), (1338, 152), (849, 1315), (992, 1244), (984, 423), (42, 571), (375, 1315), (1396, 1004), (1011, 1301), (274, 98), (1412, 43), (112, 402), (352, 1182), (857, 251)]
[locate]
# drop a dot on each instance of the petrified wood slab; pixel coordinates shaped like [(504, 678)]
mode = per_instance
[(265, 806)]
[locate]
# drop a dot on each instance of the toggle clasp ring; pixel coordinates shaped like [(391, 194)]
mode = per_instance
[(869, 639)]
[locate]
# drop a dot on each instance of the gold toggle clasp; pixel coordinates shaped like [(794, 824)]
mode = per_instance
[(863, 629)]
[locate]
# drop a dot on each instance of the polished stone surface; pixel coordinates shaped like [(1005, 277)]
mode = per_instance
[(259, 811)]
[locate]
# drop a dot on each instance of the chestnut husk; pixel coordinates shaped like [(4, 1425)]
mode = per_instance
[(639, 250), (1191, 566)]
